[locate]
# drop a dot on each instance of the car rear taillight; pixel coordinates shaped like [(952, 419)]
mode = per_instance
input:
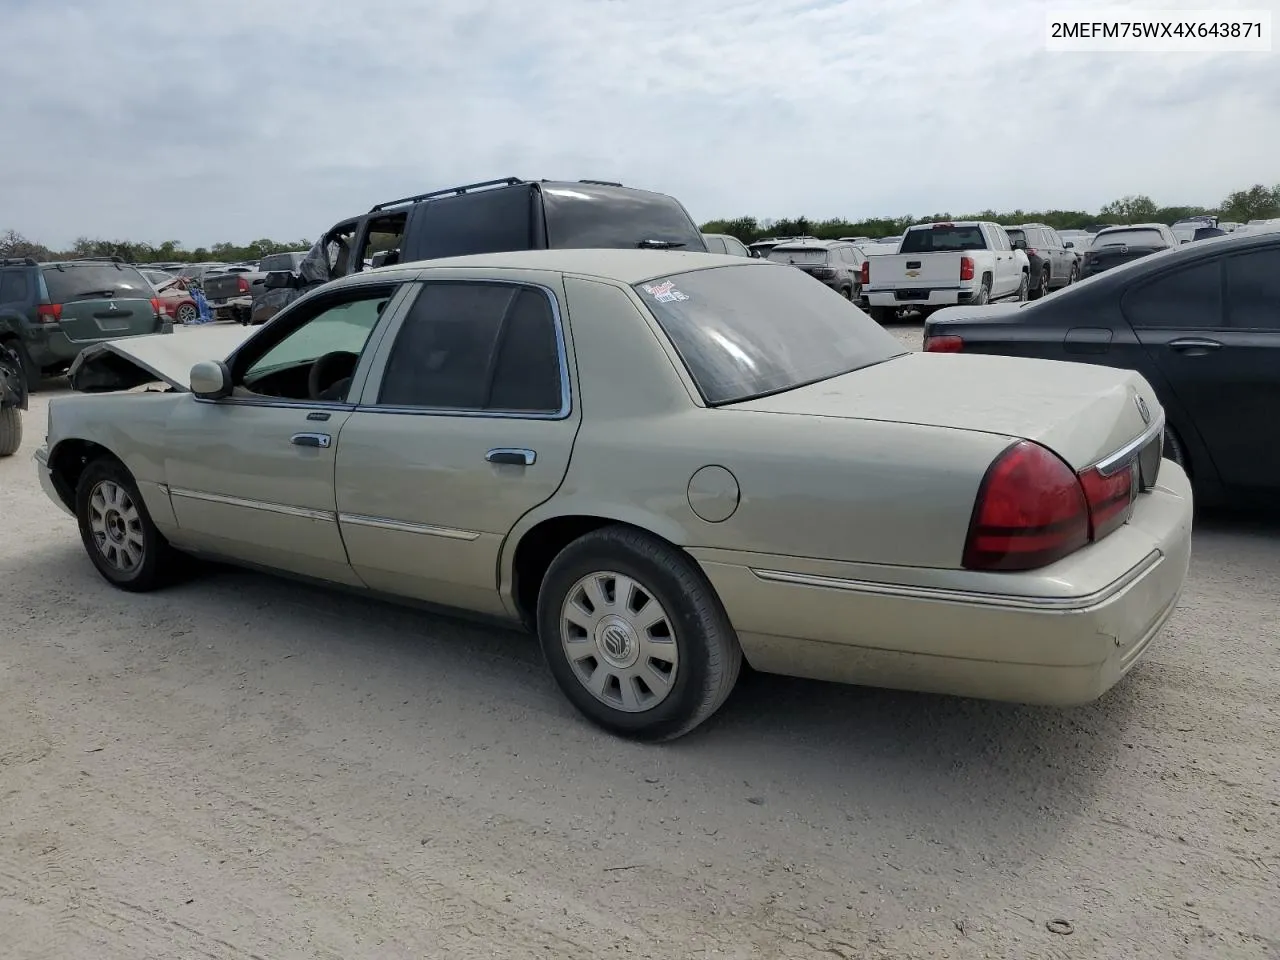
[(49, 312), (865, 278), (944, 344), (155, 306), (1031, 510), (966, 268), (1110, 498), (242, 285)]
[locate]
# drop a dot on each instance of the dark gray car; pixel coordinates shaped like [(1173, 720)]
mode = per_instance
[(836, 263)]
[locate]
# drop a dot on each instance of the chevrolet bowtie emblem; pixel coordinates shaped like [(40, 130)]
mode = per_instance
[(913, 273)]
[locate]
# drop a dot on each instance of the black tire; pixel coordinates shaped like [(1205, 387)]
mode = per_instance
[(846, 292), (708, 655), (187, 313), (10, 431), (984, 293), (158, 564), (1042, 288), (1023, 285), (1074, 275), (32, 373), (882, 315), (1174, 449)]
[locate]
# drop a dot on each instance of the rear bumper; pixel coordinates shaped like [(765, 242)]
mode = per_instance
[(1046, 647), (49, 346), (925, 296)]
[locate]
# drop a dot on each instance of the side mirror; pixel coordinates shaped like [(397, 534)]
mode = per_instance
[(211, 380), (279, 279), (1019, 244), (1068, 245)]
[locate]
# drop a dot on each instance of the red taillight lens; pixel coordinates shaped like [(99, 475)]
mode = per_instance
[(155, 305), (966, 268), (1110, 499), (49, 312), (947, 344), (1031, 511), (242, 285), (866, 273)]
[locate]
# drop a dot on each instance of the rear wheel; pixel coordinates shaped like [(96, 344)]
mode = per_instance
[(187, 313), (117, 530), (10, 431), (846, 292), (635, 636), (984, 293), (1042, 287)]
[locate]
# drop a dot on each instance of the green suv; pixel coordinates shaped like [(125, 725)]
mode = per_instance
[(49, 312)]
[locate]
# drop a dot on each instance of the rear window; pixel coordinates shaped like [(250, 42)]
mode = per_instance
[(1138, 238), (1015, 235), (798, 255), (82, 281), (591, 216), (748, 331), (934, 239)]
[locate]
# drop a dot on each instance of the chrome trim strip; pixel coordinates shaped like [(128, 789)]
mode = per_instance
[(303, 512), (1114, 462), (400, 526), (1011, 601)]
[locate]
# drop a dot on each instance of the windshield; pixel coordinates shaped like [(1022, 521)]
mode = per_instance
[(797, 255), (938, 238), (752, 330), (98, 281), (1140, 238)]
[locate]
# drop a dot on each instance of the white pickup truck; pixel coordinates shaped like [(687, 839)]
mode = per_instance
[(943, 265)]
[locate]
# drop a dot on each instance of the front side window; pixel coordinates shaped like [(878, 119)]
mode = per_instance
[(476, 346), (334, 338), (748, 331), (1189, 297)]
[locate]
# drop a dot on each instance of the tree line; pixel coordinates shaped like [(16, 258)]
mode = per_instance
[(1258, 202)]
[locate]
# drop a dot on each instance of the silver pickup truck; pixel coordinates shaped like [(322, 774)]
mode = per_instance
[(231, 294)]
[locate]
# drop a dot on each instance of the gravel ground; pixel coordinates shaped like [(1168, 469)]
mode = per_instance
[(248, 768)]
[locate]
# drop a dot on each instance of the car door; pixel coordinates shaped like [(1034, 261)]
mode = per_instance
[(250, 476), (1213, 327), (1006, 273), (466, 424)]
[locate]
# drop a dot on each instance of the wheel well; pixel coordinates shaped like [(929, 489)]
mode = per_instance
[(68, 461), (537, 549)]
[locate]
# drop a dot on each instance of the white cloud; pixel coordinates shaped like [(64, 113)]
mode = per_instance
[(239, 119)]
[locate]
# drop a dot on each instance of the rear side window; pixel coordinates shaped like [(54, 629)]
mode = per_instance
[(486, 221), (715, 244), (595, 217), (82, 281), (934, 239), (1253, 289), (1188, 298), (476, 346), (14, 287)]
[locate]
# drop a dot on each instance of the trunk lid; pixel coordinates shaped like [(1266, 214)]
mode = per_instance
[(100, 300), (226, 286), (167, 358), (1082, 412), (1098, 259)]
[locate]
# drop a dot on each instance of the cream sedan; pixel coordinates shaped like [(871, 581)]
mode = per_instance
[(660, 462)]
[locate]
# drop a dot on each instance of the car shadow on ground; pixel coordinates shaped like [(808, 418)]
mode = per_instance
[(985, 770)]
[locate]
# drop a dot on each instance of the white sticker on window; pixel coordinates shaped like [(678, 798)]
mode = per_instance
[(665, 292)]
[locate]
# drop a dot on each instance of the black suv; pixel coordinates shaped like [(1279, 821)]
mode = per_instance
[(1054, 264), (49, 312)]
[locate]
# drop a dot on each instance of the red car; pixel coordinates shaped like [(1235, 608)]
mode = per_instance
[(175, 299)]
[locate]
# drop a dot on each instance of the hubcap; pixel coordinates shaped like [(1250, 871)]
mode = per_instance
[(619, 641), (116, 526)]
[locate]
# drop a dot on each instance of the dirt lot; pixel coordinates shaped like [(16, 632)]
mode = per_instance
[(248, 768)]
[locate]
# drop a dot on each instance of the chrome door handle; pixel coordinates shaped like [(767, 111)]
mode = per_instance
[(322, 440), (513, 455), (1194, 343)]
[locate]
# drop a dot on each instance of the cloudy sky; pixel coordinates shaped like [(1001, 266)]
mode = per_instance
[(207, 120)]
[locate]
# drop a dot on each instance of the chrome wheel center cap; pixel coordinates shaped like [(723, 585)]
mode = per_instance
[(617, 643)]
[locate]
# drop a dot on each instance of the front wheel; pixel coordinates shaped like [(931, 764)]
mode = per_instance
[(635, 636), (1022, 287), (117, 530)]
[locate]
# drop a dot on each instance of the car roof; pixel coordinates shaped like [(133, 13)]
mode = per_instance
[(1136, 226), (618, 265), (809, 244)]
